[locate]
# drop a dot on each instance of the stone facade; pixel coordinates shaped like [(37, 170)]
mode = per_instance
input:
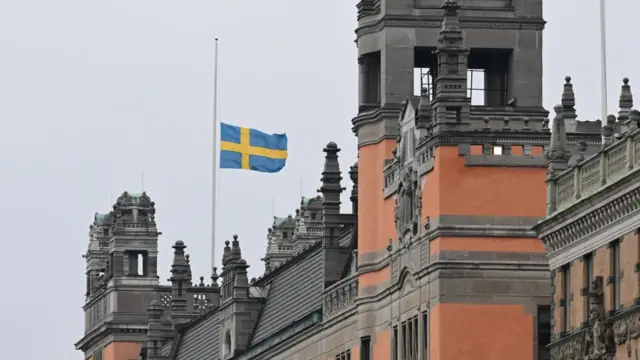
[(591, 236)]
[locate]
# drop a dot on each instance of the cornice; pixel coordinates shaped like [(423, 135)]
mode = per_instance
[(435, 22), (590, 216)]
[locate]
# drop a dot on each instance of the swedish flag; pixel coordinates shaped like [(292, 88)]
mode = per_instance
[(251, 149)]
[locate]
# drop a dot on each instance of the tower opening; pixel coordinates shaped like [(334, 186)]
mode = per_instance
[(370, 81), (488, 76)]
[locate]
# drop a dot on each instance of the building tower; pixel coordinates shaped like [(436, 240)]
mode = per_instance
[(450, 112), (122, 279)]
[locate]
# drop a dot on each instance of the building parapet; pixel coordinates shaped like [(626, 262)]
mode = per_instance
[(340, 297), (597, 172)]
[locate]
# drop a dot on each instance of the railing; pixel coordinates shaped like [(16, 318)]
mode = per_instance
[(340, 297), (598, 171), (199, 297)]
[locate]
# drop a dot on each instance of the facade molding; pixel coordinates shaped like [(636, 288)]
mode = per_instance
[(435, 22)]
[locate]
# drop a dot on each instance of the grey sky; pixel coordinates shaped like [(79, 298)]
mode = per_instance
[(93, 93)]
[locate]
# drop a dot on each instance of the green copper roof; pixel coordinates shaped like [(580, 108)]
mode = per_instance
[(135, 197), (278, 220), (100, 218)]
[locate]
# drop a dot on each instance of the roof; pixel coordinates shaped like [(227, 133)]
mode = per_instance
[(294, 293), (201, 339)]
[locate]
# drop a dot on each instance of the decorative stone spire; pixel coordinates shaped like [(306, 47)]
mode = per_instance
[(214, 278), (180, 280), (353, 174), (331, 190), (155, 331), (558, 155), (450, 102), (625, 103), (569, 106), (226, 253), (235, 253), (608, 130)]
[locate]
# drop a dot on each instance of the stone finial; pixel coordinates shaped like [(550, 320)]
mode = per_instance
[(526, 122), (331, 189), (227, 252), (179, 257), (634, 119), (608, 130), (214, 277), (201, 281), (626, 101), (236, 253), (558, 155), (486, 121), (582, 149), (569, 105), (450, 33), (155, 311)]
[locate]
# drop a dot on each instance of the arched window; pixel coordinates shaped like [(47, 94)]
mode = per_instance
[(227, 343)]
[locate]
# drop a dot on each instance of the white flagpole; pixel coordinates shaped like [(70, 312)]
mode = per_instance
[(215, 156), (603, 64)]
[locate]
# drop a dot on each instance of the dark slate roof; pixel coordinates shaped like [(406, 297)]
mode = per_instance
[(200, 340), (166, 348), (295, 291)]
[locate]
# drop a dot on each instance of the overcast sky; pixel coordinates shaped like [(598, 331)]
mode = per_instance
[(94, 93)]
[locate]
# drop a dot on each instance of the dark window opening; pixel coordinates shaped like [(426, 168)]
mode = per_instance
[(370, 79), (488, 72), (416, 338), (488, 77), (566, 295), (425, 335), (615, 275), (138, 263), (544, 332), (365, 348), (394, 351), (313, 216), (588, 277), (425, 72), (105, 231), (285, 235)]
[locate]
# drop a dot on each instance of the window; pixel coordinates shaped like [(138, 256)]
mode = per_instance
[(410, 339), (345, 355), (615, 275), (544, 332), (313, 216), (425, 335), (137, 263), (497, 150), (105, 231), (394, 349), (587, 260), (285, 235), (526, 149), (227, 343), (365, 348), (566, 296)]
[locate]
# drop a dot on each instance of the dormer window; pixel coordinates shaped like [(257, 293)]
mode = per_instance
[(285, 235), (105, 231), (313, 216)]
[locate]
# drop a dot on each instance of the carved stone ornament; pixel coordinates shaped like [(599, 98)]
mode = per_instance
[(625, 330), (408, 204), (599, 340)]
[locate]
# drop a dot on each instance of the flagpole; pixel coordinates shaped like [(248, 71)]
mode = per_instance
[(603, 64), (215, 156)]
